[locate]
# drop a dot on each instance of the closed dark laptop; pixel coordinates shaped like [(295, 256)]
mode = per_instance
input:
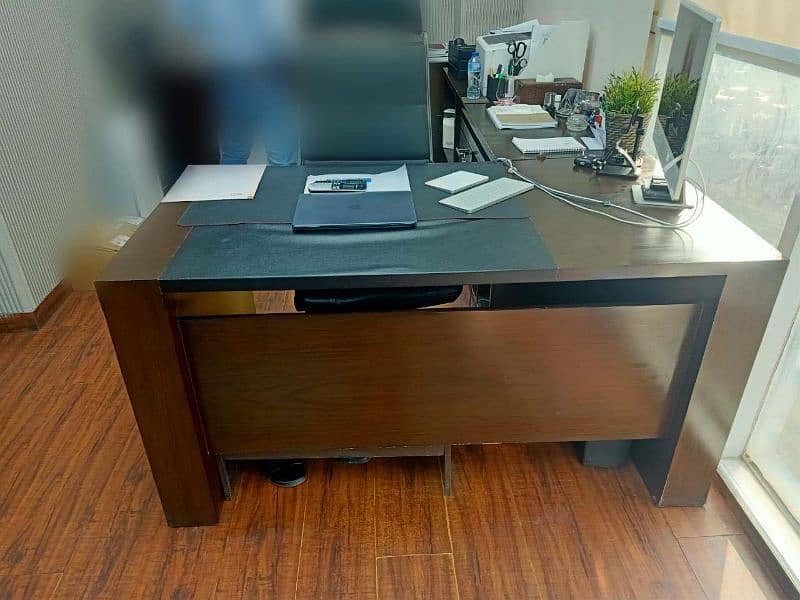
[(373, 210)]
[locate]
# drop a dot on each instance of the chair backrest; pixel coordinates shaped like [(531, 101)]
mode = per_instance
[(399, 15), (365, 97)]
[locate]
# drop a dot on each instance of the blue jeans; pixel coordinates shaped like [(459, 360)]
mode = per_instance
[(249, 104)]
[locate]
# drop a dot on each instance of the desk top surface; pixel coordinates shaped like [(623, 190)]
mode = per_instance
[(595, 247), (579, 246)]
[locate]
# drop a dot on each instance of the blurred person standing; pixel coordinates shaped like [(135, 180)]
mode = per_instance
[(248, 45)]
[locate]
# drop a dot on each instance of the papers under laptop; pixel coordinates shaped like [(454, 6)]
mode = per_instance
[(387, 204), (390, 181), (203, 183)]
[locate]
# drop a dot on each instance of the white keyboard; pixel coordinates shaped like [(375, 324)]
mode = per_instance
[(487, 195)]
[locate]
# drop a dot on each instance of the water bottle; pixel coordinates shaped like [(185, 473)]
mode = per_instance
[(474, 77)]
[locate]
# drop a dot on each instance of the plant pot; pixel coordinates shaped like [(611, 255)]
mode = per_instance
[(617, 132), (676, 130)]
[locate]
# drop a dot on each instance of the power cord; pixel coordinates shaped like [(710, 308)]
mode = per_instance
[(580, 202)]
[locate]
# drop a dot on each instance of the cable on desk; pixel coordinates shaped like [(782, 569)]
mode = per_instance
[(579, 202)]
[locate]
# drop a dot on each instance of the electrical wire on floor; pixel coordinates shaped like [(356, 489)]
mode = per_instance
[(584, 203)]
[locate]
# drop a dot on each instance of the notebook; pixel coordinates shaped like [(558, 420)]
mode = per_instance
[(558, 145)]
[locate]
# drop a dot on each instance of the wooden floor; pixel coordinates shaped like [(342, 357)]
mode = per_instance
[(79, 514)]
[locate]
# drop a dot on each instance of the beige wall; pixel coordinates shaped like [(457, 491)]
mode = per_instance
[(619, 36), (775, 21)]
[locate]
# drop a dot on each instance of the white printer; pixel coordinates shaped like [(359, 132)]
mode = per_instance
[(557, 49), (493, 51)]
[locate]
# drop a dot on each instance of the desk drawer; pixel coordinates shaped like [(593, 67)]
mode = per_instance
[(275, 384)]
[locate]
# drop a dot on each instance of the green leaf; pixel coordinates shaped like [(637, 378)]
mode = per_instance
[(624, 92), (680, 93)]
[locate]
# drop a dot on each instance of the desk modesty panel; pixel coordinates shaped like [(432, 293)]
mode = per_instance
[(322, 382)]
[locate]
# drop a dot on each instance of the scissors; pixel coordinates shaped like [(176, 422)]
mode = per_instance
[(518, 62)]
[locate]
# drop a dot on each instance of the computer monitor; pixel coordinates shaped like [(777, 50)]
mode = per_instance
[(685, 79)]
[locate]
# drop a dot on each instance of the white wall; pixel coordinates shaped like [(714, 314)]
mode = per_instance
[(39, 157), (619, 36), (448, 19), (477, 17)]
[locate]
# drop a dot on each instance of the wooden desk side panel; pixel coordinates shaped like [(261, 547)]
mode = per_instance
[(153, 364), (281, 383), (738, 329)]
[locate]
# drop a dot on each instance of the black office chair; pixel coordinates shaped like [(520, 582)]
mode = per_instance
[(366, 99), (397, 15)]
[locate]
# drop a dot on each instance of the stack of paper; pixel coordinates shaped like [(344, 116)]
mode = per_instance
[(521, 116)]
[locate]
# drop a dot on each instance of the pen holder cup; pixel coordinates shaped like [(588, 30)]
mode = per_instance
[(496, 89)]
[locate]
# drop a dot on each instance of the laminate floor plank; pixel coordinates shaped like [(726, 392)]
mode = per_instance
[(337, 558), (409, 507), (715, 518), (420, 577), (571, 528), (557, 475), (28, 586), (47, 487), (559, 556), (491, 554), (262, 549), (729, 568), (631, 482), (75, 504), (116, 530), (631, 551)]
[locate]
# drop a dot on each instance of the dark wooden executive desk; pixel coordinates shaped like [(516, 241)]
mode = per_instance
[(635, 334)]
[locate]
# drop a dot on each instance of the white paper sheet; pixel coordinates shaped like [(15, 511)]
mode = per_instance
[(390, 181), (202, 183), (525, 27), (592, 143)]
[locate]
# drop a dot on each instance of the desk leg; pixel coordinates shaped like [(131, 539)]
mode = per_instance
[(604, 455), (679, 469), (153, 363)]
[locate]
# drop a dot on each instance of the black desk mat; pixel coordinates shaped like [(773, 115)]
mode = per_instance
[(280, 188), (232, 257)]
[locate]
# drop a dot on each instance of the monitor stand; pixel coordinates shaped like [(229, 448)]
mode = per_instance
[(657, 195), (626, 167)]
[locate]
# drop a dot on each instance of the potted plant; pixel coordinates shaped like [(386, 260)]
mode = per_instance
[(623, 94), (675, 112)]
